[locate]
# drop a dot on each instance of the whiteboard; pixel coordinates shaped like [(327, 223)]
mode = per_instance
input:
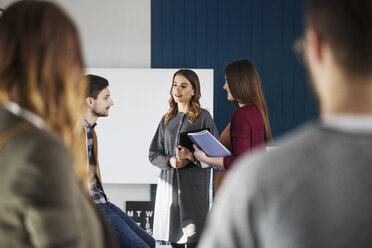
[(140, 100)]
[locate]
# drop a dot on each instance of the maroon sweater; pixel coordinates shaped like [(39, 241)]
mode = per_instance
[(247, 132)]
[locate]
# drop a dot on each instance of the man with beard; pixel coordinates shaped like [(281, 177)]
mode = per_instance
[(314, 190), (98, 103)]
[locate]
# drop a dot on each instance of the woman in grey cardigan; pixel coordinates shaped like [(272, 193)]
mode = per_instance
[(183, 187)]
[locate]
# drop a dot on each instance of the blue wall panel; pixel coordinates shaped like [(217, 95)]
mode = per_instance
[(287, 67), (213, 33), (179, 33), (157, 34), (189, 34), (201, 33)]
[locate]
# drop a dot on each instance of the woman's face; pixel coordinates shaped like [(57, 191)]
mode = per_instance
[(226, 87), (182, 90)]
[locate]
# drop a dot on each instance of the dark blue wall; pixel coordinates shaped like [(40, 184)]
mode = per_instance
[(211, 34)]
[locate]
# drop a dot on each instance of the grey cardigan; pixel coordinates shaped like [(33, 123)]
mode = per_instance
[(313, 190), (182, 194)]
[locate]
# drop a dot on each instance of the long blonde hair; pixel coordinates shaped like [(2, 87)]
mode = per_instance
[(195, 109), (42, 68), (245, 87)]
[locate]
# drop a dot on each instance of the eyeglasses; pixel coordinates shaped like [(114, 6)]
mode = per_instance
[(299, 49)]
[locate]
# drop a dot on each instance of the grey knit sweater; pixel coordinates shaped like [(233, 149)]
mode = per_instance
[(314, 190)]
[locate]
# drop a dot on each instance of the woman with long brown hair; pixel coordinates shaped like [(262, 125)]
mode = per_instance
[(249, 127), (182, 194), (41, 101)]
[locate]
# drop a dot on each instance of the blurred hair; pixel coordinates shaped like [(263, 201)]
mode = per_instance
[(346, 25), (95, 85), (195, 109), (245, 87), (42, 70)]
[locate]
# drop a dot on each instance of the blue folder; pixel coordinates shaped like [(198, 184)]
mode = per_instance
[(209, 144)]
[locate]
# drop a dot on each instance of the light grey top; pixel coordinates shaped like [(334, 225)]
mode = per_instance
[(182, 194), (314, 190)]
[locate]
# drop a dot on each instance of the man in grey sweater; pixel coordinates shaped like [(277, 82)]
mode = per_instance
[(314, 190)]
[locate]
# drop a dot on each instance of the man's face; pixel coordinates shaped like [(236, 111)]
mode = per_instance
[(102, 104)]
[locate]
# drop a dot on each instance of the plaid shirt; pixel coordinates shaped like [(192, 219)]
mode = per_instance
[(95, 188)]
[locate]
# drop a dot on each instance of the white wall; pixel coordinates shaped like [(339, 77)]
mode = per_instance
[(120, 193), (114, 34)]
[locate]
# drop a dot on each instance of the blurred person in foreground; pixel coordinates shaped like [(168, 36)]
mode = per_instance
[(314, 189), (43, 203)]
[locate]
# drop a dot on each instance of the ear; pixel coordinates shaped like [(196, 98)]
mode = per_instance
[(89, 102), (315, 46), (193, 92)]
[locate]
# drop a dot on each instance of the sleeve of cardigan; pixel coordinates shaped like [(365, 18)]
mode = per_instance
[(157, 154), (241, 137)]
